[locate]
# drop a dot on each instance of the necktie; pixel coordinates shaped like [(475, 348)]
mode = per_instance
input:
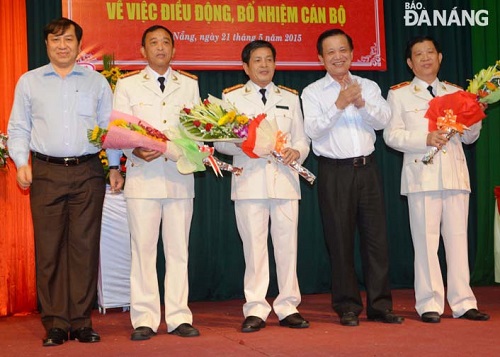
[(429, 88), (162, 83), (263, 92)]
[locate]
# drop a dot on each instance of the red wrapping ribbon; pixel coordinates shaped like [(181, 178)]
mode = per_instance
[(211, 159), (463, 104), (249, 144), (497, 195)]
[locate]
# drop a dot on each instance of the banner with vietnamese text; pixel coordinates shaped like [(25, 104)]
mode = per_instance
[(211, 34)]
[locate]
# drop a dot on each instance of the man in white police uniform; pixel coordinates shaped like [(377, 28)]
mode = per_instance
[(438, 193), (156, 192), (268, 190)]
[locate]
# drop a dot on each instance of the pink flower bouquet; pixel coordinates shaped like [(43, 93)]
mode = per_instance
[(128, 132)]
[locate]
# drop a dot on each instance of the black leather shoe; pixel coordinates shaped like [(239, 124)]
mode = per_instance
[(55, 337), (475, 315), (185, 330), (142, 333), (294, 321), (388, 317), (431, 317), (84, 334), (252, 324), (349, 319)]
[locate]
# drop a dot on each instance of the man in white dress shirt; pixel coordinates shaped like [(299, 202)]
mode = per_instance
[(438, 193), (341, 114), (268, 190)]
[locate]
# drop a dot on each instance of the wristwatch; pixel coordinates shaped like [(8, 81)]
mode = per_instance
[(114, 168)]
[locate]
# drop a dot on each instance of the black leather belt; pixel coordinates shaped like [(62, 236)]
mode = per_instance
[(352, 161), (66, 161)]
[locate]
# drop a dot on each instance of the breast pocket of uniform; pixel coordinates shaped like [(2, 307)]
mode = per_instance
[(141, 107), (413, 116), (283, 119), (86, 104)]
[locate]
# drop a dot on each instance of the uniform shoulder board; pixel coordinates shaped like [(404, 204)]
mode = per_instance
[(289, 89), (400, 85), (128, 74), (230, 89), (187, 74), (453, 85)]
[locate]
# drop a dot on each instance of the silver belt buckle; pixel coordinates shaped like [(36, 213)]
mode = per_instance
[(359, 161), (67, 160)]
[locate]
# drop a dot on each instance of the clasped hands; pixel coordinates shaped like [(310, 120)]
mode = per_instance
[(350, 93), (146, 154)]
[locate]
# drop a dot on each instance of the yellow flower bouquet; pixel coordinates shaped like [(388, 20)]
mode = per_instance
[(486, 83), (214, 120)]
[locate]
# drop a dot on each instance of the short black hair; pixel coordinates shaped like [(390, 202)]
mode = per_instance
[(420, 39), (154, 28), (329, 33), (59, 26), (252, 46)]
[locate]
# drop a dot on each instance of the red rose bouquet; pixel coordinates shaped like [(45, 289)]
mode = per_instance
[(456, 112)]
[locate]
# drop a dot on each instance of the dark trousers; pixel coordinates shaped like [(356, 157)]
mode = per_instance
[(66, 206), (351, 197)]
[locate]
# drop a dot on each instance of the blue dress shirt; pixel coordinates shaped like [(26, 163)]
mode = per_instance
[(51, 115)]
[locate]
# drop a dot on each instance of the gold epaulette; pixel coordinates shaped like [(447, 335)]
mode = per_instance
[(453, 85), (230, 89), (400, 85), (128, 74), (187, 74), (289, 89)]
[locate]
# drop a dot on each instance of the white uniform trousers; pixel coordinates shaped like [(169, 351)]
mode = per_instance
[(252, 217), (144, 217), (432, 213)]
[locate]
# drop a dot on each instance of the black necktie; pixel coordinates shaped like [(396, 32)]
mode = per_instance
[(263, 92), (429, 88), (162, 83)]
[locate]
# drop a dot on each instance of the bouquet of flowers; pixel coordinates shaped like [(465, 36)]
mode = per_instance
[(128, 132), (456, 112), (485, 84), (4, 152), (217, 120), (214, 120), (265, 139)]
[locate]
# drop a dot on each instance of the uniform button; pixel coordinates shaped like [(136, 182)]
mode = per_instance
[(163, 104), (268, 161), (164, 122)]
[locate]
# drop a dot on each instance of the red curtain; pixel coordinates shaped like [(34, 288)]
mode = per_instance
[(17, 258)]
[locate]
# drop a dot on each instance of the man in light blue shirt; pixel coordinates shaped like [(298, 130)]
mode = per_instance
[(54, 107)]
